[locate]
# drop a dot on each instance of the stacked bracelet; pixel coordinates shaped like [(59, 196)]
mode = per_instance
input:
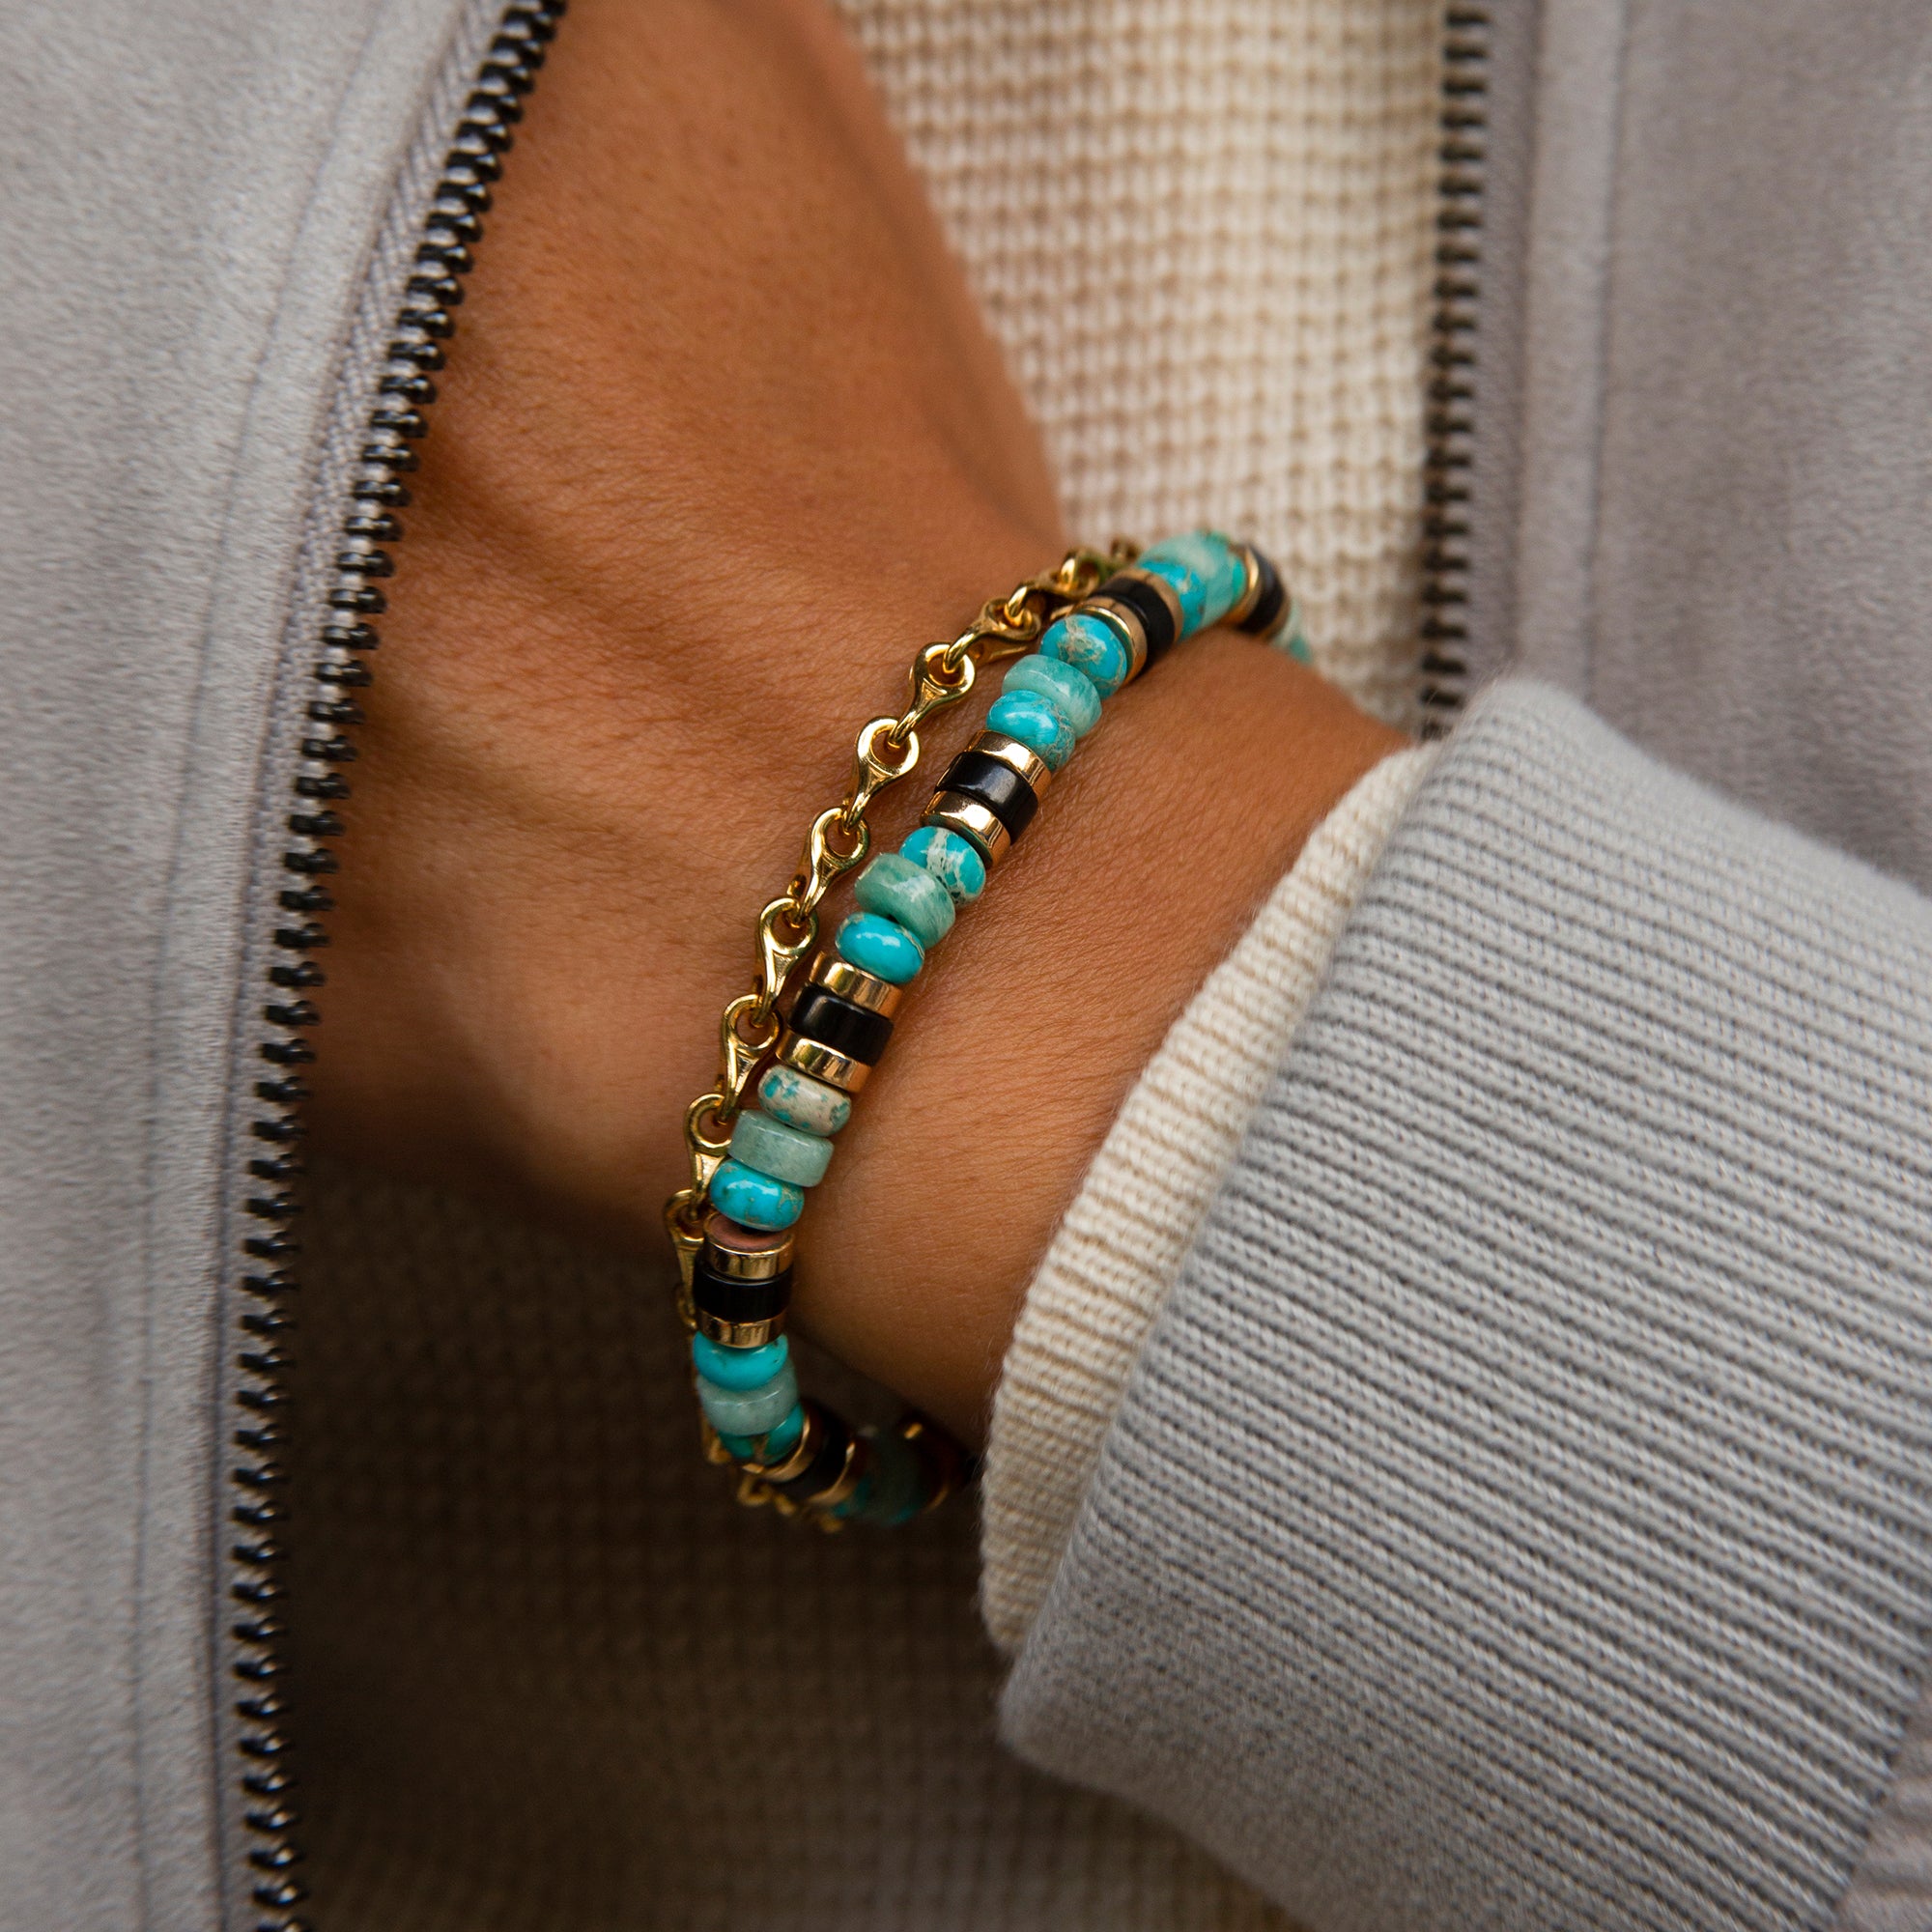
[(1093, 625)]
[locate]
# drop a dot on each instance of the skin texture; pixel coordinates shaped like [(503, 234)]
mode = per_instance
[(723, 441)]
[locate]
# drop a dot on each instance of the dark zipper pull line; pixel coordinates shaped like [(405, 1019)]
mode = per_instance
[(1448, 422), (452, 228)]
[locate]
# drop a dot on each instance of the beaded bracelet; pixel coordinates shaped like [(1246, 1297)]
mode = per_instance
[(1087, 629)]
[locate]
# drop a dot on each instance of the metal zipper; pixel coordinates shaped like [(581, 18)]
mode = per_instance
[(1450, 414), (364, 520)]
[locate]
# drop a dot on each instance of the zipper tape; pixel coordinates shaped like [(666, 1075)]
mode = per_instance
[(360, 492)]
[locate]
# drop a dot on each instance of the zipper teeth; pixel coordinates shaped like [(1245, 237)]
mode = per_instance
[(1450, 415), (258, 1476)]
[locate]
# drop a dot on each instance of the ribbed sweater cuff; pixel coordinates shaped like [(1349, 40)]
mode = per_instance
[(1116, 1253), (1517, 1515)]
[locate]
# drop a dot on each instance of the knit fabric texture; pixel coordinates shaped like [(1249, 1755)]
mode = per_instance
[(553, 1679), (1204, 231), (1088, 1310), (1893, 1891), (1519, 1515)]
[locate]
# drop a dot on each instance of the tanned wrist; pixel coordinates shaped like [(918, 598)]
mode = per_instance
[(721, 441), (1031, 1023)]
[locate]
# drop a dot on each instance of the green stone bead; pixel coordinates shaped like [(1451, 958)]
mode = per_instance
[(748, 1412), (894, 887), (1071, 692), (785, 1153)]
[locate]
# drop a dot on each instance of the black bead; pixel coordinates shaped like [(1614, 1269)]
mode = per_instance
[(1261, 620), (846, 1027), (1149, 606), (994, 783), (828, 1461), (730, 1300)]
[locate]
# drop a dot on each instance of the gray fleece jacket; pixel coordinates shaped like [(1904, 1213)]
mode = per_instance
[(1519, 1516)]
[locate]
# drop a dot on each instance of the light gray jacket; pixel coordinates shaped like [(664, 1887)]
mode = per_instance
[(1520, 1516)]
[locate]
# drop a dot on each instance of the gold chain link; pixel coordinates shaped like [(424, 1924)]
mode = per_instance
[(839, 838)]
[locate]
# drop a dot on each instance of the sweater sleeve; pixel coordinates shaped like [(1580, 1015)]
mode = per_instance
[(1517, 1515), (1115, 1257)]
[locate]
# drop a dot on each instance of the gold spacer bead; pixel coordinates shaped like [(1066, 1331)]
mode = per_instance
[(835, 1070), (1015, 756), (1251, 589), (1126, 620), (803, 1450), (739, 1334), (847, 1479), (967, 816), (746, 1253), (852, 982)]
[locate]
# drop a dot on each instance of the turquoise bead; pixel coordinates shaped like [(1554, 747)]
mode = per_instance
[(748, 1412), (898, 1481), (741, 1193), (1092, 646), (1070, 691), (880, 947), (771, 1447), (738, 1368), (803, 1102), (854, 1505), (1293, 640), (1037, 723), (950, 860), (894, 887), (1206, 571), (781, 1152)]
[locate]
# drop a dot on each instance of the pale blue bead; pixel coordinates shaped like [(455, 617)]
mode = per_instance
[(1092, 646), (880, 947), (773, 1446), (1070, 691), (897, 889), (1037, 723), (741, 1193), (803, 1102), (738, 1368), (748, 1412), (1206, 574), (781, 1152), (950, 860)]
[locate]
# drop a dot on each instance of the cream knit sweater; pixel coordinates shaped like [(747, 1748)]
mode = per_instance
[(549, 1675)]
